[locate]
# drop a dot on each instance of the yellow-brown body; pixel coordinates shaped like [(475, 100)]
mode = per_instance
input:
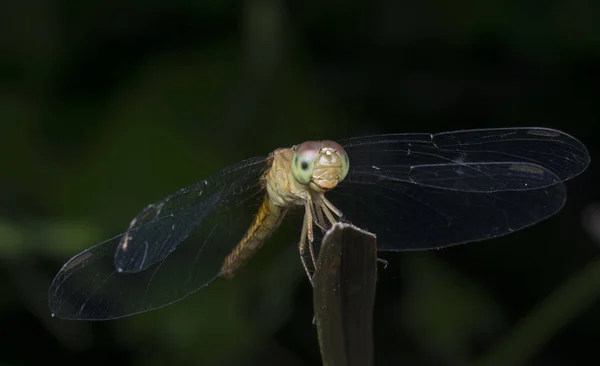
[(284, 191)]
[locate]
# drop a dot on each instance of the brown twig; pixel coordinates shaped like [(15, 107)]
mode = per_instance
[(344, 295)]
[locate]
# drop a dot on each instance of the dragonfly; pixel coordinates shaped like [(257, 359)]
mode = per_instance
[(415, 191)]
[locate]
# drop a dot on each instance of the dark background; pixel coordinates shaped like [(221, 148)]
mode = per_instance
[(106, 106)]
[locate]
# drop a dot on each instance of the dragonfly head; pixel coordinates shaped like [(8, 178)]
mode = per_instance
[(320, 164)]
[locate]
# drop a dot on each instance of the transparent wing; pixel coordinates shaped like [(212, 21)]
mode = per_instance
[(157, 231), (180, 242), (472, 160), (424, 191)]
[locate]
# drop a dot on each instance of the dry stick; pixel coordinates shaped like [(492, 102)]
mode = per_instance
[(344, 295)]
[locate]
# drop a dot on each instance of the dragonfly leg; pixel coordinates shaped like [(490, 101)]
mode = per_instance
[(331, 206), (320, 219), (328, 213), (383, 261), (309, 230), (318, 212), (302, 248), (317, 216), (314, 209)]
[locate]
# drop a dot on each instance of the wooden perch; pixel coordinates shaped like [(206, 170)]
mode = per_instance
[(344, 295)]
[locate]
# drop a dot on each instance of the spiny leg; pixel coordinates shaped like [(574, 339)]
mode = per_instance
[(318, 208), (319, 219), (331, 206), (302, 247), (317, 215), (327, 207), (313, 214), (328, 213), (310, 233), (319, 212)]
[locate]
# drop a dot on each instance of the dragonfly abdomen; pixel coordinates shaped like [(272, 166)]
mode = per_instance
[(267, 219)]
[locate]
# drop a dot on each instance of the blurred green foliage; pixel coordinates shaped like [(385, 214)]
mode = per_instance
[(106, 106)]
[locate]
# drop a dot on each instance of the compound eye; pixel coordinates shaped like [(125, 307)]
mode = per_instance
[(345, 165), (303, 161), (343, 156)]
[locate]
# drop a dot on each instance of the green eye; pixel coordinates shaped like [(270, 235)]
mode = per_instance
[(345, 166), (302, 168)]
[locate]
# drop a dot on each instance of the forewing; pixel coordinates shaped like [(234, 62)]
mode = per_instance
[(194, 236), (472, 160), (161, 227), (424, 191)]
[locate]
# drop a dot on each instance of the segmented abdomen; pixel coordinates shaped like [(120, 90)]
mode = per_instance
[(267, 219)]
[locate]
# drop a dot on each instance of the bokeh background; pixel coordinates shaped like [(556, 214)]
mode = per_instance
[(106, 106)]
